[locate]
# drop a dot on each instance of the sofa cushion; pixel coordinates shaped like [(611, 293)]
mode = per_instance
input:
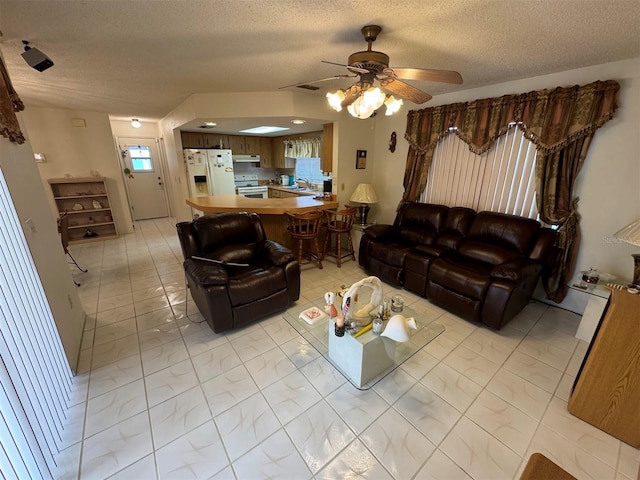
[(214, 231), (461, 275), (487, 252), (417, 235), (425, 217), (509, 231), (390, 253), (253, 283)]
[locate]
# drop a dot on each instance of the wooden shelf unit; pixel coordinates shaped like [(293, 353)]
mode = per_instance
[(68, 192)]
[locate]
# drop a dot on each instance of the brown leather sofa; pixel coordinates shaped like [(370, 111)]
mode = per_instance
[(482, 266), (255, 277)]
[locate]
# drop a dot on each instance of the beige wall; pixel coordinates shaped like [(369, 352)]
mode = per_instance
[(77, 151), (30, 201)]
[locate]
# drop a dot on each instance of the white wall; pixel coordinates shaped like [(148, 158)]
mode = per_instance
[(608, 185), (77, 151), (30, 200)]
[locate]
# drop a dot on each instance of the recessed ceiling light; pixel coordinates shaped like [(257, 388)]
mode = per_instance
[(210, 124), (298, 121), (264, 129)]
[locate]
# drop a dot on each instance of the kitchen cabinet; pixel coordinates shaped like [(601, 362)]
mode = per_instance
[(266, 154), (279, 160), (86, 201), (244, 145), (192, 140), (273, 193), (216, 140), (326, 148)]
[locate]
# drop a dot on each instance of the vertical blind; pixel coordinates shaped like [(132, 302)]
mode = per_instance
[(500, 180), (35, 378)]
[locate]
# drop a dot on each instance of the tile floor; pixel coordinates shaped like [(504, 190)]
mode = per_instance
[(159, 395)]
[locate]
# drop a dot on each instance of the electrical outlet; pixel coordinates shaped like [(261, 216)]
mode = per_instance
[(30, 225)]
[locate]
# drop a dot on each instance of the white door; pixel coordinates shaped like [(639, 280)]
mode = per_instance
[(143, 178)]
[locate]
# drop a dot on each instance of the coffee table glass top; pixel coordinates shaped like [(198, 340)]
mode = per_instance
[(368, 358)]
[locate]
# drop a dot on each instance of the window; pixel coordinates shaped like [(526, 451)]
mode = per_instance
[(140, 158), (500, 180), (309, 169)]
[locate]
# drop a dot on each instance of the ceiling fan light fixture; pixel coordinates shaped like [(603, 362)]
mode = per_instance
[(393, 104), (335, 100), (360, 108)]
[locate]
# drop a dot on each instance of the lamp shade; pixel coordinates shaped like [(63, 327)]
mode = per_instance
[(630, 233), (364, 193)]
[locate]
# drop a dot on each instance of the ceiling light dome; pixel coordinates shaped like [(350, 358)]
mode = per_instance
[(135, 123)]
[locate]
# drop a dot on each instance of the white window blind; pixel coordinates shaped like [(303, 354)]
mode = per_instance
[(500, 180), (35, 378)]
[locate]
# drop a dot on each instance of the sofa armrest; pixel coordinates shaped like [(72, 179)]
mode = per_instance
[(381, 231), (516, 270), (277, 253), (206, 273)]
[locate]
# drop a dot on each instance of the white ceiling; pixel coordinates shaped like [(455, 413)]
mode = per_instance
[(142, 58)]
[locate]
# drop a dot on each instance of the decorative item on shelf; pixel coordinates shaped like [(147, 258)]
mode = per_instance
[(312, 315), (397, 303), (364, 194), (330, 307), (631, 234), (589, 278), (378, 324), (96, 204), (107, 218), (89, 234), (77, 207), (399, 328), (350, 309), (91, 220)]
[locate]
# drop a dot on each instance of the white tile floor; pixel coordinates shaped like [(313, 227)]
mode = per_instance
[(159, 395)]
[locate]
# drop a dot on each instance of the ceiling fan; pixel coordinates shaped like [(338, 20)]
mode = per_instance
[(372, 66)]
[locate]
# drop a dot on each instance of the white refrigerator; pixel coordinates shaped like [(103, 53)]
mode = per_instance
[(209, 172)]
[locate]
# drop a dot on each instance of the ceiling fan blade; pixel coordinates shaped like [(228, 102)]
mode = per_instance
[(335, 77), (425, 75), (404, 90), (353, 69), (351, 94)]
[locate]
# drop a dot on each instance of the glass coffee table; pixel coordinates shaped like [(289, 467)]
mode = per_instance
[(368, 358)]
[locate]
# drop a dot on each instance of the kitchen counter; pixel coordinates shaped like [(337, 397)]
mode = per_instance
[(271, 210)]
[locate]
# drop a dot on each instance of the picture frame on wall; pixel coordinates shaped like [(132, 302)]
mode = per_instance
[(361, 159)]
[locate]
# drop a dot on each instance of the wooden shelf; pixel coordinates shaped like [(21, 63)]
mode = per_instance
[(68, 193)]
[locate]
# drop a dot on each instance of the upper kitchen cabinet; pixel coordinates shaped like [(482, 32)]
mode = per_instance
[(204, 140), (244, 145), (216, 140), (266, 152), (192, 140), (279, 160), (326, 148)]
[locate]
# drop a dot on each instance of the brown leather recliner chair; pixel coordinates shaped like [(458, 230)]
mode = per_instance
[(250, 277)]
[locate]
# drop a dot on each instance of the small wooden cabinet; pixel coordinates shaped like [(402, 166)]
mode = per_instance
[(266, 154), (606, 392), (86, 201), (192, 140), (216, 140)]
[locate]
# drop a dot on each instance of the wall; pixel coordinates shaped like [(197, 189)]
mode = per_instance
[(30, 201), (607, 185), (77, 151)]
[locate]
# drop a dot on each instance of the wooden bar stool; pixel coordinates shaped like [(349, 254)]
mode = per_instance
[(339, 223), (303, 227)]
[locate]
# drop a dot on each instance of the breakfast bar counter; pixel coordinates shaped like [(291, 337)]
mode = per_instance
[(271, 210)]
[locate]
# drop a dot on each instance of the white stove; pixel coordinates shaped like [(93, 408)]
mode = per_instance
[(247, 186)]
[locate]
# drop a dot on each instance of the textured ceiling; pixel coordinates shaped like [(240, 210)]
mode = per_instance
[(142, 58)]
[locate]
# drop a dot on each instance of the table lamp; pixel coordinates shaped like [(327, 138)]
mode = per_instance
[(363, 194), (631, 234)]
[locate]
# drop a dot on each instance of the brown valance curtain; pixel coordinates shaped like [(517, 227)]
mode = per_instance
[(560, 122), (10, 103)]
